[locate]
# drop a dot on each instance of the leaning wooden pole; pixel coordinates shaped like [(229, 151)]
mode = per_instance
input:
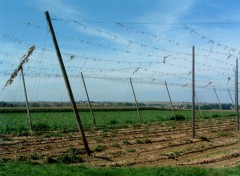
[(230, 96), (27, 104), (75, 110), (136, 103), (231, 100), (174, 115), (236, 95), (218, 101), (199, 108), (24, 60), (193, 93), (88, 99)]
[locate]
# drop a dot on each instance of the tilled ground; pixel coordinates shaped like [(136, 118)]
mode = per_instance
[(217, 144)]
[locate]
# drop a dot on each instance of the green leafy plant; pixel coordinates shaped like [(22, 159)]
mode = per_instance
[(131, 150), (117, 145), (100, 148)]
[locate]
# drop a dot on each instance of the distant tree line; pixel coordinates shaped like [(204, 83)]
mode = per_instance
[(5, 104), (225, 106)]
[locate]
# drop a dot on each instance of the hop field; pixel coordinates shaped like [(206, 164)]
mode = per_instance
[(15, 121)]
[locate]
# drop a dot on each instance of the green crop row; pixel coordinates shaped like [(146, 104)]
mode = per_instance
[(65, 121)]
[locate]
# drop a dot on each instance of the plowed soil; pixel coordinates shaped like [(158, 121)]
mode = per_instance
[(217, 144)]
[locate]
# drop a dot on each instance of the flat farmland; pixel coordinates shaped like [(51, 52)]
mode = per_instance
[(14, 120), (119, 141)]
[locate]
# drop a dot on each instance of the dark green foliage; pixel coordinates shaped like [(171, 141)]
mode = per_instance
[(216, 106), (231, 115), (131, 150), (41, 127), (69, 159), (215, 115), (129, 121), (179, 117), (4, 160), (50, 160), (116, 145), (21, 158), (75, 151), (100, 148), (34, 156), (138, 141), (113, 122)]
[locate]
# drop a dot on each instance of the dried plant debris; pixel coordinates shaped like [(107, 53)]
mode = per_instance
[(23, 61)]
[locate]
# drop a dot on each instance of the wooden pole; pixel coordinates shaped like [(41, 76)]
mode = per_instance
[(231, 100), (218, 101), (75, 110), (136, 103), (27, 104), (174, 115), (193, 93), (236, 95), (230, 96), (199, 108), (89, 103)]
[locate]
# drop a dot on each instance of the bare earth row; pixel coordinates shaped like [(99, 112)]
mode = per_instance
[(217, 145)]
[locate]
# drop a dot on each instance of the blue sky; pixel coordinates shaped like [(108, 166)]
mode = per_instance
[(110, 41)]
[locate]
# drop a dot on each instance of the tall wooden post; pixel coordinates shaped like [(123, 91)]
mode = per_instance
[(136, 103), (193, 93), (174, 115), (89, 103), (236, 95), (218, 101), (198, 105), (27, 104), (75, 110)]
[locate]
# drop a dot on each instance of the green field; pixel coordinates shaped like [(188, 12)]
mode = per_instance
[(58, 121), (15, 121), (24, 169)]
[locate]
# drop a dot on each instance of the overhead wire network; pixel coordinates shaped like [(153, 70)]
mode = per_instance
[(121, 52)]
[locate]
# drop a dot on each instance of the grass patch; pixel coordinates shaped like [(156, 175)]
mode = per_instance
[(27, 169), (100, 148), (116, 145), (131, 150), (224, 133)]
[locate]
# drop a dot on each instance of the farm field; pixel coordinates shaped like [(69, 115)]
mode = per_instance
[(15, 121), (121, 142), (162, 78)]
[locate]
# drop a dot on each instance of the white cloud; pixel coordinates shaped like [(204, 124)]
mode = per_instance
[(58, 8)]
